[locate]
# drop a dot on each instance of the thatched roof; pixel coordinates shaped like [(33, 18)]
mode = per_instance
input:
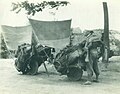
[(76, 30), (113, 35)]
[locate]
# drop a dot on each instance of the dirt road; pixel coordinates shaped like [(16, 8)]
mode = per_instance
[(12, 82)]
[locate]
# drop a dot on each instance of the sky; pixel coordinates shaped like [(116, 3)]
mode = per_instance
[(86, 14)]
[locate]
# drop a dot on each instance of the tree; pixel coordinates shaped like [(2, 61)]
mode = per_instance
[(4, 52), (106, 35), (33, 8)]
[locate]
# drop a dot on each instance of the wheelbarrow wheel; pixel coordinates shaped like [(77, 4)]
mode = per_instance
[(74, 73), (33, 68)]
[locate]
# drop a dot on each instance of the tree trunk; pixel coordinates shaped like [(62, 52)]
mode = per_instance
[(106, 35)]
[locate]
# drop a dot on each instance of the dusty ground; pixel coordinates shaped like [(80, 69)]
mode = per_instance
[(12, 82)]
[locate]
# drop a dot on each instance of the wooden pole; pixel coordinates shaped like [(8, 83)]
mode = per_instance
[(106, 35)]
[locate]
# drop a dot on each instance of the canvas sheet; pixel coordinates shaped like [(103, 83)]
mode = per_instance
[(52, 33), (15, 36)]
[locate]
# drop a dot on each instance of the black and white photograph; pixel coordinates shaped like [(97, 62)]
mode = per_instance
[(60, 47)]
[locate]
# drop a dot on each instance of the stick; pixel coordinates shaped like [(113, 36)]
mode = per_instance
[(46, 69)]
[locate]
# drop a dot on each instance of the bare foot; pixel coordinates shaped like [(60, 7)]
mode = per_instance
[(88, 83)]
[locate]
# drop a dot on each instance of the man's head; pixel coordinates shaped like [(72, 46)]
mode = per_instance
[(88, 32)]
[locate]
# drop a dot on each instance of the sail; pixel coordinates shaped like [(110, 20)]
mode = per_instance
[(52, 33), (15, 36)]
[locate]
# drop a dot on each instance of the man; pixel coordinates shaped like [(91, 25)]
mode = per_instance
[(93, 49)]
